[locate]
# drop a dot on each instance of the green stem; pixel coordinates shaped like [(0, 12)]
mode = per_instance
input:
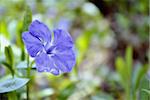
[(28, 75), (29, 66), (27, 91)]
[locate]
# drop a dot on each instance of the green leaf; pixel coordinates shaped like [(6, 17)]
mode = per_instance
[(19, 41), (138, 74), (26, 22), (27, 19), (146, 91), (144, 84), (128, 59), (9, 59), (120, 66), (124, 68), (23, 56), (12, 84), (9, 55)]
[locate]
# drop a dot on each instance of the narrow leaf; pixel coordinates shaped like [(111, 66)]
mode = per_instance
[(26, 22), (27, 18), (9, 59), (146, 91), (138, 74), (120, 66), (129, 61), (144, 84), (9, 55)]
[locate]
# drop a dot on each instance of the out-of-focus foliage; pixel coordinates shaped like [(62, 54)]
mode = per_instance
[(130, 79), (112, 49)]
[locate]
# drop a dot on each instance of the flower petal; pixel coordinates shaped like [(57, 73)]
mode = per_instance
[(65, 60), (32, 44), (60, 65), (62, 38), (46, 63), (64, 53), (40, 30)]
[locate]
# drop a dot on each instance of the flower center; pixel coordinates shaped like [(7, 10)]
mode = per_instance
[(49, 51)]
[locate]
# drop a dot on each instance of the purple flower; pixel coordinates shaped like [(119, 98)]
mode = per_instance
[(53, 54)]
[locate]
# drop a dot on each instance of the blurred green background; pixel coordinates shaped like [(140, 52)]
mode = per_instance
[(112, 48)]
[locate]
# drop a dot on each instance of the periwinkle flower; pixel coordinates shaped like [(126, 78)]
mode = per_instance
[(52, 53)]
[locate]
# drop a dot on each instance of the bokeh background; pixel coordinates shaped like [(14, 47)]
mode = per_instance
[(112, 48)]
